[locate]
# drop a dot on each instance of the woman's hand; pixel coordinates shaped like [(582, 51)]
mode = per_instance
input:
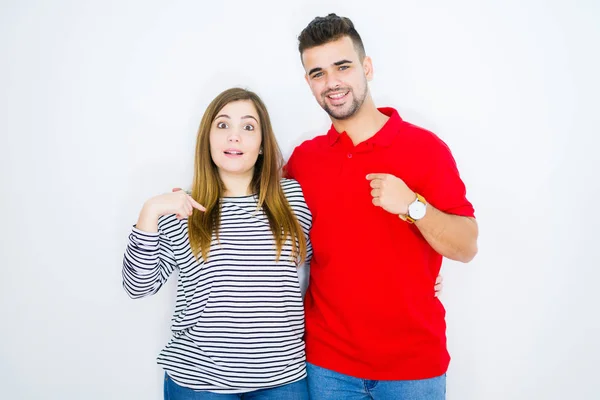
[(179, 203), (439, 285)]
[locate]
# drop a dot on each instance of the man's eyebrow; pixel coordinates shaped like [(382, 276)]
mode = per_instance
[(314, 70), (337, 64)]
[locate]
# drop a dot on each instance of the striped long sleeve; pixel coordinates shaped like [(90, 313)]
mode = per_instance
[(147, 263)]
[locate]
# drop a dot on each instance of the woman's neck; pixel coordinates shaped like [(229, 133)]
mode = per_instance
[(237, 185)]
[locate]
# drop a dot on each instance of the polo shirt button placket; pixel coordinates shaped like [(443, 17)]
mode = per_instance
[(349, 155)]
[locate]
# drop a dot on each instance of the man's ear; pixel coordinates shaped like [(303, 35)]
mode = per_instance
[(368, 67)]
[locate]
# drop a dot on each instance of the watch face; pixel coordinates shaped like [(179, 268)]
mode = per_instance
[(417, 210)]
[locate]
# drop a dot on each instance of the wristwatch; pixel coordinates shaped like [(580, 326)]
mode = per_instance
[(416, 210)]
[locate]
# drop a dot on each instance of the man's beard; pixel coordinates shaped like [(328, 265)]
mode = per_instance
[(357, 102)]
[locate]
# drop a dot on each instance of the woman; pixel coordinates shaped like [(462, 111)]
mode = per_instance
[(237, 241)]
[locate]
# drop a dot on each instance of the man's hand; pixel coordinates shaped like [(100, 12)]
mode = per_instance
[(391, 193)]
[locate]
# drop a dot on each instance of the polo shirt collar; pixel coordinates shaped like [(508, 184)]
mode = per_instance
[(383, 137)]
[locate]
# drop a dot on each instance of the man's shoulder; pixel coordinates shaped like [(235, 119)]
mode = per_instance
[(311, 145), (420, 137)]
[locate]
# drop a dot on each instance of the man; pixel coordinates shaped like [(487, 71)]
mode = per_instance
[(387, 203)]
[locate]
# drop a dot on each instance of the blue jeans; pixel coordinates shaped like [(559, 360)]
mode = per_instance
[(292, 391), (324, 384)]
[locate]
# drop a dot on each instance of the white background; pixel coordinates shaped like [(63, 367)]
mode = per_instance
[(99, 106)]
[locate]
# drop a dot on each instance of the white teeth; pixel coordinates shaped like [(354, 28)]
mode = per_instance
[(237, 153), (337, 95)]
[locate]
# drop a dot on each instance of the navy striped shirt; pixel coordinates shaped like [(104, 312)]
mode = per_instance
[(238, 322)]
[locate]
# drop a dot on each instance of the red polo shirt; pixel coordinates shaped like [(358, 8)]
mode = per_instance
[(370, 306)]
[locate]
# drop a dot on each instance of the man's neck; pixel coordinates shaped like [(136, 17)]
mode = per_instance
[(363, 125), (236, 185)]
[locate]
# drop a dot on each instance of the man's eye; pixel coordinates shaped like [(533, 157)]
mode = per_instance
[(343, 67), (222, 125), (249, 127), (317, 75)]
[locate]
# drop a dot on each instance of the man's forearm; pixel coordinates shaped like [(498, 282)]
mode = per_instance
[(453, 236)]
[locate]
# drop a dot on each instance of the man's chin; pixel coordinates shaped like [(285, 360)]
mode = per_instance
[(339, 114)]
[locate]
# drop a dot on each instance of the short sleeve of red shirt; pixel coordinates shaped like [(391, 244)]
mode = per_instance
[(288, 169), (444, 188)]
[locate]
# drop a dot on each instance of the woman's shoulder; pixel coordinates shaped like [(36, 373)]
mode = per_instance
[(169, 222), (293, 193), (295, 197), (291, 187)]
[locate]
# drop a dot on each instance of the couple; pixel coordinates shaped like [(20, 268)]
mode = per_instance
[(383, 202)]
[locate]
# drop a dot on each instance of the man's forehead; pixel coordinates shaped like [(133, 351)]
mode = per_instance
[(329, 53)]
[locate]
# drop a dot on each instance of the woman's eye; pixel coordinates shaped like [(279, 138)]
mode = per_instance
[(221, 125), (249, 127)]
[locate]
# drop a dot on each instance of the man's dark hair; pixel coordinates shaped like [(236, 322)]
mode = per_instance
[(322, 30)]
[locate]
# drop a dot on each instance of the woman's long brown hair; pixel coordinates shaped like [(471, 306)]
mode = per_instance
[(208, 188)]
